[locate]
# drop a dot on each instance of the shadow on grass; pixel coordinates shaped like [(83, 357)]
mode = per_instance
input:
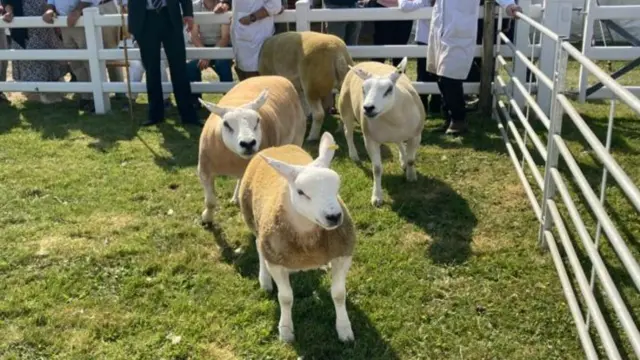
[(10, 118), (108, 129), (428, 203), (313, 311)]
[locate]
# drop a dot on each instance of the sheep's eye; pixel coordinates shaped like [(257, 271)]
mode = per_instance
[(257, 123), (301, 193), (226, 125), (389, 90)]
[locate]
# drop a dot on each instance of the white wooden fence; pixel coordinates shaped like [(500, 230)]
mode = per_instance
[(302, 16)]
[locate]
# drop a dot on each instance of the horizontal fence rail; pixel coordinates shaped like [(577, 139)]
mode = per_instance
[(548, 190)]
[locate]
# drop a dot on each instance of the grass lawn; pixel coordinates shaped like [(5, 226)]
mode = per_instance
[(102, 255)]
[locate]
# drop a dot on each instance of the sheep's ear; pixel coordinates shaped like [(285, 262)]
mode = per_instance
[(327, 150), (289, 172), (400, 69), (259, 101), (218, 110), (362, 74)]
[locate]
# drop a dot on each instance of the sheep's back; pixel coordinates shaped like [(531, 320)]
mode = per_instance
[(262, 196)]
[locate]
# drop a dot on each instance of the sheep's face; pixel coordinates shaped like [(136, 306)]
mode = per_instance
[(240, 127), (378, 92), (313, 188)]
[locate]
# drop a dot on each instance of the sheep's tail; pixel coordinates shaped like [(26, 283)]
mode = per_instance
[(341, 67)]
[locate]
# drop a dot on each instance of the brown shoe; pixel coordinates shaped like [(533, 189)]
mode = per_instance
[(456, 128)]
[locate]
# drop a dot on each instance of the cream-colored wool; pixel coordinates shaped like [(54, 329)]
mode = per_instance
[(398, 115), (283, 194), (282, 121), (316, 63)]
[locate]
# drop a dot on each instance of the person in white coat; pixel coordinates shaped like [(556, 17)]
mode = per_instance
[(251, 25), (450, 51)]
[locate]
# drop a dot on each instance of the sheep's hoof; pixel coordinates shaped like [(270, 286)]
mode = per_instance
[(375, 201), (313, 138), (411, 175), (286, 334), (345, 333), (207, 217), (355, 157)]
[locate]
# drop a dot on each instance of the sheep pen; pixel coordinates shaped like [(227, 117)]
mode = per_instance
[(103, 254)]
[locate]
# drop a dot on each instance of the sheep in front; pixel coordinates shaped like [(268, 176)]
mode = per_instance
[(316, 63), (383, 101), (257, 113), (291, 204)]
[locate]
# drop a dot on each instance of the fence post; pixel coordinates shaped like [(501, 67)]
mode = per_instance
[(557, 17), (522, 43), (555, 128), (97, 68), (302, 15), (587, 37), (488, 58)]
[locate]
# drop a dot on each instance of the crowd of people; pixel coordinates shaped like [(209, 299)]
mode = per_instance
[(168, 24)]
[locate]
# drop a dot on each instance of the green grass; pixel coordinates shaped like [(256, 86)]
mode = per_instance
[(102, 254)]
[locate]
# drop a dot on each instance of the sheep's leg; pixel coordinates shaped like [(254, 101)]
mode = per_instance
[(317, 118), (373, 148), (349, 125), (339, 269), (412, 148), (264, 277), (402, 150), (285, 298), (234, 199), (208, 183)]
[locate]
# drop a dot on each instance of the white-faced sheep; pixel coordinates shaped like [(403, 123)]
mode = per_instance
[(315, 63), (383, 101), (290, 202), (255, 114)]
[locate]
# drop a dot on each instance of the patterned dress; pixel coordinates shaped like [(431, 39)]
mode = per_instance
[(38, 38)]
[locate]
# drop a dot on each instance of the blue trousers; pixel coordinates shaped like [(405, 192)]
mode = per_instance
[(222, 67)]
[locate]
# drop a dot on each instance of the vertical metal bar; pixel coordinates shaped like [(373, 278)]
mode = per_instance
[(555, 128), (530, 85), (487, 58), (603, 190)]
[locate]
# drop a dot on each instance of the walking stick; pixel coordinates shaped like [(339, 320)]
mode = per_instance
[(126, 61)]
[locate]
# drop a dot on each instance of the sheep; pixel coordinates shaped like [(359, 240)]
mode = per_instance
[(316, 63), (256, 113), (383, 101), (291, 204)]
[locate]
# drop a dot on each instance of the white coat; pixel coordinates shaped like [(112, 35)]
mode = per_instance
[(247, 40), (452, 37)]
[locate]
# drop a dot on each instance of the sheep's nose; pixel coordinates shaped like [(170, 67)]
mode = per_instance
[(333, 219), (369, 109), (248, 144)]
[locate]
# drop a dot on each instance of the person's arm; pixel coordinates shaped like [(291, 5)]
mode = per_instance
[(270, 8), (195, 36), (510, 6), (225, 36), (187, 8), (409, 5)]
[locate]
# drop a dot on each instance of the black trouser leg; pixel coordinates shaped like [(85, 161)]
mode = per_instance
[(174, 48), (435, 104), (452, 99), (149, 43), (400, 36)]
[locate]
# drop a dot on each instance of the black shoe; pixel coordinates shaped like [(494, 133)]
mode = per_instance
[(151, 122), (442, 128), (457, 128), (86, 105)]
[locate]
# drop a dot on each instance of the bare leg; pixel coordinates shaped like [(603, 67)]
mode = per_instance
[(412, 149), (234, 199), (373, 148), (340, 267), (209, 196), (266, 282), (285, 298)]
